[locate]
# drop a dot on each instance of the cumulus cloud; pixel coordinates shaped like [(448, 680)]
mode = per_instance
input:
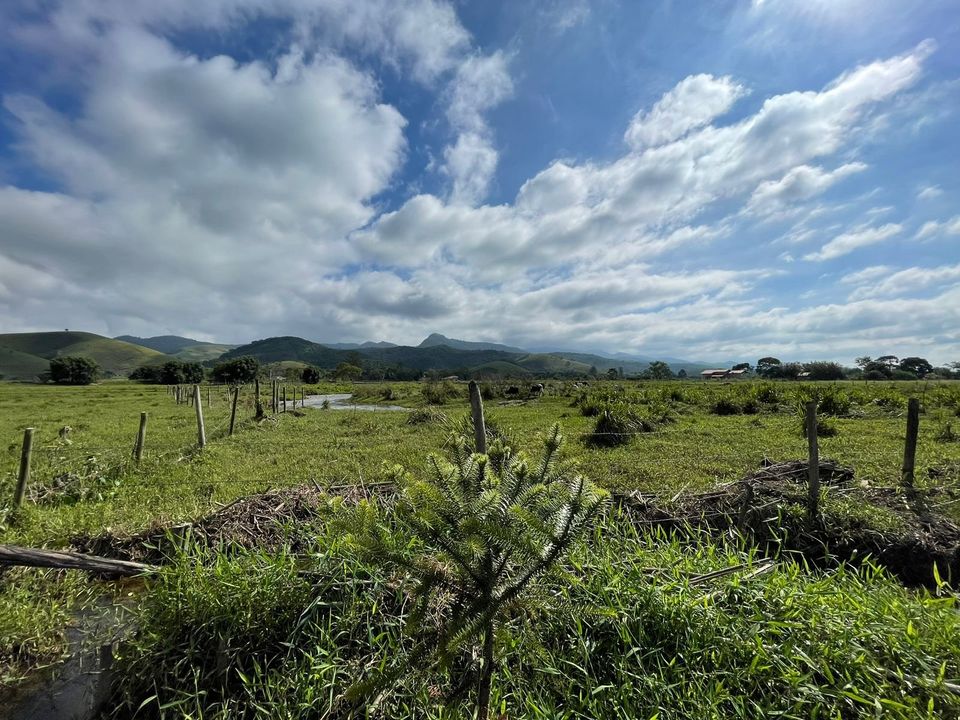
[(481, 83), (693, 103), (800, 183), (855, 239), (233, 199)]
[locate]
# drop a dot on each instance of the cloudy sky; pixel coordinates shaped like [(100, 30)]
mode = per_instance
[(746, 178)]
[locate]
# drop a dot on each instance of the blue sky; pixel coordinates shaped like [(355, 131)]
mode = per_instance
[(725, 180)]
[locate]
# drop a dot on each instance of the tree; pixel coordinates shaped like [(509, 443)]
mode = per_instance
[(346, 371), (918, 366), (824, 370), (237, 371), (473, 538), (74, 370), (310, 375), (682, 374), (659, 370), (768, 367), (742, 366), (889, 361), (863, 361), (612, 374), (147, 374)]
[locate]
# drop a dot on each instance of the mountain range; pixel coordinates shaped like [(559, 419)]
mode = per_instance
[(25, 356)]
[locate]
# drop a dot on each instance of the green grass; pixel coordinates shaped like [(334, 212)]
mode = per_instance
[(696, 451), (625, 630)]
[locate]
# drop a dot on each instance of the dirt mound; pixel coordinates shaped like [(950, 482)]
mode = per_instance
[(266, 520), (902, 533)]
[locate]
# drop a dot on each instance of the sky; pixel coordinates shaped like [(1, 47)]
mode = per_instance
[(730, 179)]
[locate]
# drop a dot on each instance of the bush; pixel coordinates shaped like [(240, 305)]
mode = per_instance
[(74, 370), (310, 375), (237, 371), (437, 393), (725, 406)]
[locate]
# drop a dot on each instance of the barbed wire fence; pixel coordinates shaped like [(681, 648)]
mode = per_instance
[(75, 470)]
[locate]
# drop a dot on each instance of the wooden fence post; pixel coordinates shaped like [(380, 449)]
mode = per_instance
[(141, 438), (910, 445), (813, 470), (233, 408), (284, 398), (257, 402), (209, 402), (476, 411), (26, 452), (201, 432)]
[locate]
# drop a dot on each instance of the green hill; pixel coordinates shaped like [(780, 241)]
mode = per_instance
[(202, 352), (16, 365), (436, 339), (115, 357)]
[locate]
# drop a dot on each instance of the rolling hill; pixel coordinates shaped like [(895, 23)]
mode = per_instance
[(182, 348), (27, 352)]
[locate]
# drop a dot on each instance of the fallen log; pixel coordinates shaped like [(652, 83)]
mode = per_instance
[(12, 555)]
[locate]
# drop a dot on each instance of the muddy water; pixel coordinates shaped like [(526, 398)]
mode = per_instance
[(341, 401)]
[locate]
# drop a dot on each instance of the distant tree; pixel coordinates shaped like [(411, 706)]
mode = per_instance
[(789, 371), (593, 371), (768, 367), (310, 375), (346, 371), (875, 367), (682, 374), (147, 374), (659, 370), (742, 366), (824, 370), (613, 374), (918, 366), (863, 361), (874, 375), (171, 373), (193, 372), (890, 361), (74, 370), (237, 371)]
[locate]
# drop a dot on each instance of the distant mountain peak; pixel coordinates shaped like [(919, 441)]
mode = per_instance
[(435, 339)]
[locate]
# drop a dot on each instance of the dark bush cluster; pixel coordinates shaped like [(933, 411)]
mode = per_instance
[(172, 372), (74, 370)]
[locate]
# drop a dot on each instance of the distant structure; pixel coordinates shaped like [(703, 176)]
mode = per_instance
[(722, 374)]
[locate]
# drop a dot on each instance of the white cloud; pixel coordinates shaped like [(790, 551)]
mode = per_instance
[(929, 192), (934, 228), (855, 239), (800, 183), (909, 282), (481, 83), (693, 103)]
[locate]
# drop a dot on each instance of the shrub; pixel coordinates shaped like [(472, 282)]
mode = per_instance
[(74, 370), (438, 392), (310, 375), (725, 406)]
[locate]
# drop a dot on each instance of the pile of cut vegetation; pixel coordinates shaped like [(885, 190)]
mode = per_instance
[(266, 521), (898, 530)]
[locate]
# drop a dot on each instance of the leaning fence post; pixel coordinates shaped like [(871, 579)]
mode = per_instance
[(910, 445), (233, 408), (201, 432), (813, 469), (24, 477), (476, 411), (141, 438)]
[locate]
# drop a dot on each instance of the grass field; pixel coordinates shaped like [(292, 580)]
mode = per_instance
[(747, 649)]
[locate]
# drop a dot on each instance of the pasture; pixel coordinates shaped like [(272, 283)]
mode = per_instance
[(624, 629)]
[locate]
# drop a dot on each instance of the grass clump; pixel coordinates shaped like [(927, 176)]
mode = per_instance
[(427, 415)]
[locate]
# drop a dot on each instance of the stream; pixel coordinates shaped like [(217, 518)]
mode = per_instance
[(340, 401)]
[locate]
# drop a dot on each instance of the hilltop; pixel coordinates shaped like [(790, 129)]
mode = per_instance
[(183, 348), (24, 356)]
